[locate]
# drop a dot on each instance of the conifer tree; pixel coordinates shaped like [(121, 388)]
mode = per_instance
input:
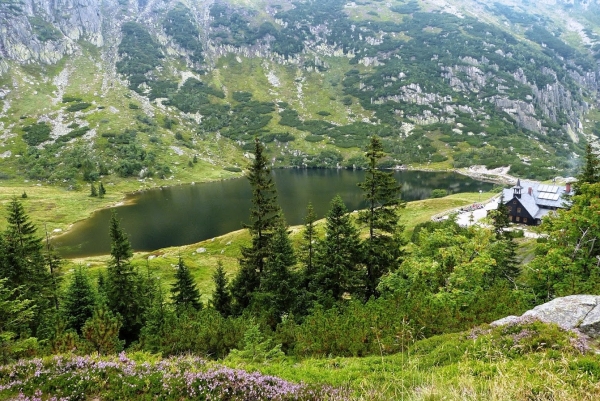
[(383, 244), (278, 284), (309, 236), (263, 217), (102, 331), (22, 261), (79, 300), (500, 219), (184, 292), (221, 299), (122, 295), (337, 258), (101, 190), (590, 173), (93, 190)]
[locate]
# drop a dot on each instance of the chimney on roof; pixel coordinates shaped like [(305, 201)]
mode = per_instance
[(568, 188), (530, 191)]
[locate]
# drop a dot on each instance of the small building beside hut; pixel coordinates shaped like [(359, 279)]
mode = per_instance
[(529, 201)]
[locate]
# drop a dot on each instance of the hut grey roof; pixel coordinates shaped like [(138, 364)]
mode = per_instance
[(543, 198)]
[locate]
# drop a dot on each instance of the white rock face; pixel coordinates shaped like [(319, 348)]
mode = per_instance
[(573, 312)]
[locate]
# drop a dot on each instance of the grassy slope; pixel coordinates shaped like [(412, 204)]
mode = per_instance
[(525, 361)]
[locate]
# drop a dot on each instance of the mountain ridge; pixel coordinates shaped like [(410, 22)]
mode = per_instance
[(443, 88)]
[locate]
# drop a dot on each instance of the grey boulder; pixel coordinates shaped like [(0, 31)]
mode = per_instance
[(573, 312)]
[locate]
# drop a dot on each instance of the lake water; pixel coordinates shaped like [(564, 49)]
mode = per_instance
[(187, 214)]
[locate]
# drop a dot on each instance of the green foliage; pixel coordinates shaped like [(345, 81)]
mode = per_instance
[(181, 28), (567, 262), (192, 95), (101, 190), (23, 264), (382, 193), (139, 54), (221, 298), (93, 190), (590, 173), (35, 134), (79, 300), (184, 292), (15, 313), (102, 331), (439, 193), (256, 347), (78, 106), (264, 217), (124, 296), (337, 258), (277, 293), (69, 99)]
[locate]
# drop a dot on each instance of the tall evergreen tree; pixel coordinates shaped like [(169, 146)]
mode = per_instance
[(500, 219), (184, 292), (384, 241), (278, 284), (122, 295), (79, 300), (337, 258), (22, 261), (221, 299), (589, 174), (263, 218), (309, 236), (101, 190), (93, 190)]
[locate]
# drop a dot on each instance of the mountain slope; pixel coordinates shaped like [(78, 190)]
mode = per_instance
[(144, 89)]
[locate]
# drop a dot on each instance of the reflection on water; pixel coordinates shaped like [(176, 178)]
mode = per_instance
[(186, 214)]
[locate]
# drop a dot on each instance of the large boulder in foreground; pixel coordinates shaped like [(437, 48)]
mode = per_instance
[(573, 312)]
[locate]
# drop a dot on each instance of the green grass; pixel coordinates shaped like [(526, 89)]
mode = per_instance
[(530, 361)]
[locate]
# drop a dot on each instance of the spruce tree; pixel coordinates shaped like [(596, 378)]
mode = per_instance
[(278, 284), (101, 190), (184, 292), (122, 295), (22, 261), (79, 300), (384, 240), (337, 258), (221, 299), (93, 190), (500, 219), (309, 236), (263, 217), (590, 173)]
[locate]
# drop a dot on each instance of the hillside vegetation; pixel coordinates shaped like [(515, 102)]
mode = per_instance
[(180, 90), (350, 308)]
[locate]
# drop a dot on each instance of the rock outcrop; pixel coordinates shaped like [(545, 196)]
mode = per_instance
[(580, 312)]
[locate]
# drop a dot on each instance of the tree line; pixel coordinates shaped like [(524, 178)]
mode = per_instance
[(351, 286)]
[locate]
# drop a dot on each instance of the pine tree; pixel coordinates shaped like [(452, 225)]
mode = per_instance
[(22, 261), (337, 258), (184, 292), (263, 217), (101, 190), (278, 284), (94, 191), (590, 173), (79, 300), (122, 295), (384, 241), (500, 219), (309, 236), (102, 331), (221, 299)]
